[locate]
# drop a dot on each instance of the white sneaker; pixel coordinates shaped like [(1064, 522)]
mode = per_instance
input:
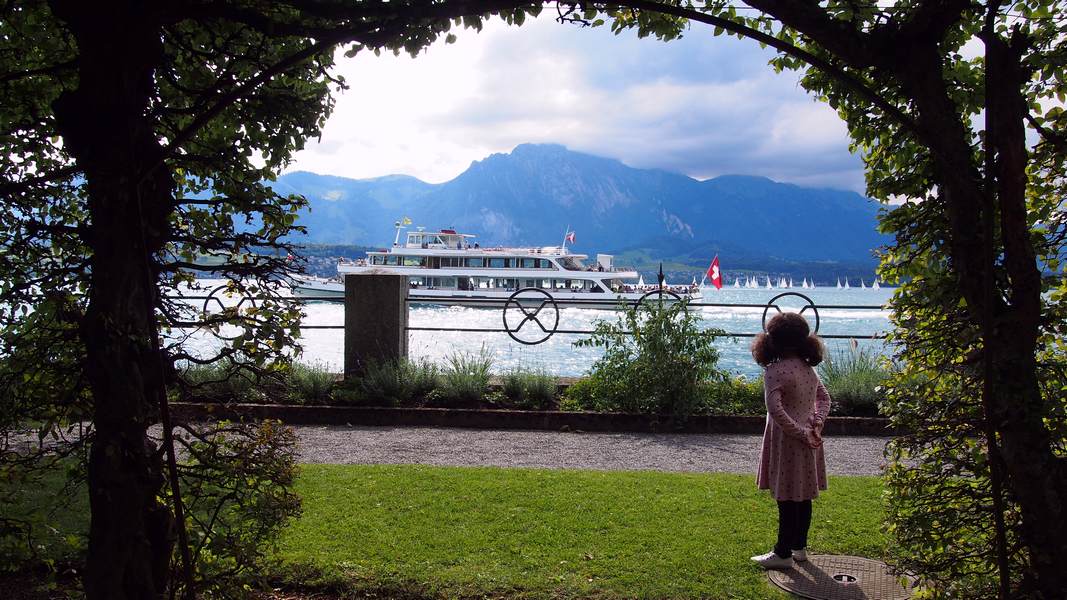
[(800, 555), (773, 561)]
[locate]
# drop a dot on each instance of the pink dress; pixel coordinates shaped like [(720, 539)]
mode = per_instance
[(788, 467)]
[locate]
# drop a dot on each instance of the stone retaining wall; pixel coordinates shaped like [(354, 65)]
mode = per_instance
[(506, 419)]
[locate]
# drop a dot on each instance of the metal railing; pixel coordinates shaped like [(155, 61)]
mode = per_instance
[(532, 316)]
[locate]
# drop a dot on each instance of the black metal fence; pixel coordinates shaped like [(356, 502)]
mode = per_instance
[(530, 314)]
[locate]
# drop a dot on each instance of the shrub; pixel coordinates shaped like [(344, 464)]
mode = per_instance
[(221, 381), (310, 384), (237, 485), (855, 380), (465, 380), (392, 383), (656, 361), (734, 396), (534, 390)]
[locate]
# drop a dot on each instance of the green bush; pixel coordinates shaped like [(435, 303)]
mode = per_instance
[(534, 390), (656, 361), (237, 485), (465, 380), (590, 394), (392, 383), (726, 396), (734, 396), (221, 381), (310, 384), (855, 380)]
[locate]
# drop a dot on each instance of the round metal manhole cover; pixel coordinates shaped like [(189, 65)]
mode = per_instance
[(824, 577)]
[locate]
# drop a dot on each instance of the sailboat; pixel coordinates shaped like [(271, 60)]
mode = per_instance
[(838, 283), (790, 282), (847, 286), (812, 284), (769, 286), (640, 281), (863, 286), (737, 282), (875, 286), (804, 283)]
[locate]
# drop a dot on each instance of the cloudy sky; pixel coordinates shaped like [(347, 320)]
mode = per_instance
[(703, 106)]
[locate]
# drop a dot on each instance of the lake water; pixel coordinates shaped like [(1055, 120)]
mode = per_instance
[(558, 355)]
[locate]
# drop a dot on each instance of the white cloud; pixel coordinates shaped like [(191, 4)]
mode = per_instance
[(702, 106)]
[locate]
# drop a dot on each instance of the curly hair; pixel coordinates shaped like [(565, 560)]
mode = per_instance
[(787, 335)]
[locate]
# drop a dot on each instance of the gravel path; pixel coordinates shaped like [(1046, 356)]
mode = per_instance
[(552, 449)]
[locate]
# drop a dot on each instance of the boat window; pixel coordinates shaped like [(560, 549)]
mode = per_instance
[(377, 260), (528, 263), (496, 263), (546, 284), (544, 263), (390, 260), (450, 261), (475, 262), (529, 283), (414, 261)]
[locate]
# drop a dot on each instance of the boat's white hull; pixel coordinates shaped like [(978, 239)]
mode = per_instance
[(325, 289)]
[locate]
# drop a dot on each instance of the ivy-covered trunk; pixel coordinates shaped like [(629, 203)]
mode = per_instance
[(1038, 477), (105, 126), (1038, 482)]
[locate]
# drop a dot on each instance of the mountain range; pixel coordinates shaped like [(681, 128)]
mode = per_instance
[(535, 193)]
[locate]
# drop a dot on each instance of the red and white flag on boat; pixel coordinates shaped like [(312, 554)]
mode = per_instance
[(714, 274), (569, 237)]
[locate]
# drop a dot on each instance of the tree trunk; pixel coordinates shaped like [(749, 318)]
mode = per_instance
[(104, 126), (1038, 478)]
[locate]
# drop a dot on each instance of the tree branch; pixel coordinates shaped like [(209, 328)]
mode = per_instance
[(847, 79)]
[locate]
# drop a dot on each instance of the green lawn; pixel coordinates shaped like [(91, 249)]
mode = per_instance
[(551, 533)]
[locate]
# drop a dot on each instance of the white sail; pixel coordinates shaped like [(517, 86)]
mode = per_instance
[(737, 282), (791, 282), (769, 286), (875, 285), (862, 285), (838, 283), (812, 284), (847, 286), (640, 280), (804, 283)]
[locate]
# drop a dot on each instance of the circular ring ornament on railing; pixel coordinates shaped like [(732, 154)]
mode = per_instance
[(809, 304), (211, 297), (659, 292), (531, 314)]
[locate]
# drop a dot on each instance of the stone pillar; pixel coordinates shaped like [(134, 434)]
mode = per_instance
[(376, 320)]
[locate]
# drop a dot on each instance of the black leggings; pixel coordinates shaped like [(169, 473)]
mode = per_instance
[(794, 520)]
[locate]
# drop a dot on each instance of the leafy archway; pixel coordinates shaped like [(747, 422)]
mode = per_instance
[(135, 133)]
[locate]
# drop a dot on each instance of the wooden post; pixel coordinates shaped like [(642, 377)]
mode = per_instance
[(376, 320)]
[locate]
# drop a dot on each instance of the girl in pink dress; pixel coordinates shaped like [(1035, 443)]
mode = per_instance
[(791, 463)]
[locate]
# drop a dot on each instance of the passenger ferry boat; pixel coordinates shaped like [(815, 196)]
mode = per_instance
[(446, 267)]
